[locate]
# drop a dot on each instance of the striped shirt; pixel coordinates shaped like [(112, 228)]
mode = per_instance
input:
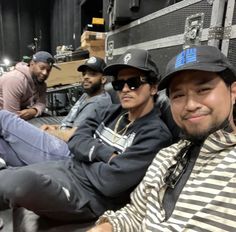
[(206, 203)]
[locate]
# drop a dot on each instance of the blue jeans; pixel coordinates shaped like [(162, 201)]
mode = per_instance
[(22, 143)]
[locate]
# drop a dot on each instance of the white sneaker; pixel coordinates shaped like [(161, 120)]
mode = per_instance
[(2, 163)]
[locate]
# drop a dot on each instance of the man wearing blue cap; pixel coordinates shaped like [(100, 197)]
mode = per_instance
[(23, 90), (191, 185)]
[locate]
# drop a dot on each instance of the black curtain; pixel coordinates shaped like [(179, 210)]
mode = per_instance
[(69, 19), (65, 23), (22, 24), (43, 25)]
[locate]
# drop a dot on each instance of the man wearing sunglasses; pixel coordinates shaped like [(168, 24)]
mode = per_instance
[(110, 153), (191, 185)]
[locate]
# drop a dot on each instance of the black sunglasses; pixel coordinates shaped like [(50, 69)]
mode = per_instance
[(133, 83)]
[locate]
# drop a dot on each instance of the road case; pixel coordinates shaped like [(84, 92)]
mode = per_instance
[(229, 37), (124, 11), (165, 32)]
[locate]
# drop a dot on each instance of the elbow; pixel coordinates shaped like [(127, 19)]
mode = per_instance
[(110, 192)]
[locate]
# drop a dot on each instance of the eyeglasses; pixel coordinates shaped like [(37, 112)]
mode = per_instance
[(133, 83)]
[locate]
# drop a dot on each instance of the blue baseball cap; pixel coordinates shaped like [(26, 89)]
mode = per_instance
[(202, 57)]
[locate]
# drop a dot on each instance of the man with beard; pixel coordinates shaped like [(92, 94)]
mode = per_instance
[(21, 141), (191, 185), (109, 156), (23, 90), (94, 99)]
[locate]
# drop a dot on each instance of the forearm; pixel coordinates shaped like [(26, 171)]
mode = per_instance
[(87, 149), (27, 114), (64, 135), (40, 106), (105, 227)]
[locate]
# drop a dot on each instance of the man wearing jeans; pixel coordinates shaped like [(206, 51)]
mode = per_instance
[(110, 153), (22, 143)]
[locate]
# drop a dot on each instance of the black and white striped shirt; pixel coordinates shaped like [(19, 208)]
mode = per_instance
[(206, 203)]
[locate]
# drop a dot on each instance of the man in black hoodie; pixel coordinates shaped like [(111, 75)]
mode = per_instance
[(110, 153)]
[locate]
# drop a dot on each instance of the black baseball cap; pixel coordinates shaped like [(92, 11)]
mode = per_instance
[(95, 63), (202, 57), (45, 57), (133, 58)]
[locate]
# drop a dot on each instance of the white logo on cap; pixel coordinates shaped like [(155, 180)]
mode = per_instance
[(127, 58), (92, 60)]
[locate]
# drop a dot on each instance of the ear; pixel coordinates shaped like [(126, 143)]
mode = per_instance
[(104, 80), (233, 92), (154, 89)]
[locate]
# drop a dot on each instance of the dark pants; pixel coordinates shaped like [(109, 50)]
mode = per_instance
[(47, 189)]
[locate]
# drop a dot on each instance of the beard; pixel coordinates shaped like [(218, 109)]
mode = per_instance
[(199, 137), (93, 89), (37, 81)]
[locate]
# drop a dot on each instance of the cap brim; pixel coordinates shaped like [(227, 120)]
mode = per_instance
[(208, 68), (83, 68), (113, 69), (56, 66)]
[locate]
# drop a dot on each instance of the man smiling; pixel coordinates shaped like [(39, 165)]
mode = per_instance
[(23, 90), (190, 186), (22, 144)]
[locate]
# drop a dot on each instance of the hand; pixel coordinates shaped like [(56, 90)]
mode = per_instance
[(27, 114), (112, 156), (64, 135), (105, 227), (47, 127)]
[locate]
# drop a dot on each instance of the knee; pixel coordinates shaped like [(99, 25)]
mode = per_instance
[(20, 184), (5, 113), (5, 117)]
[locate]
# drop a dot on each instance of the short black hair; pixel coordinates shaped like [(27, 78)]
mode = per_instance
[(228, 76), (152, 78)]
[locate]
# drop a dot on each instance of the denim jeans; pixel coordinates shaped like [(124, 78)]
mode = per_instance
[(22, 143)]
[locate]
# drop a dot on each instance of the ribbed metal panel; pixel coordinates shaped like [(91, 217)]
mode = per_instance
[(170, 24)]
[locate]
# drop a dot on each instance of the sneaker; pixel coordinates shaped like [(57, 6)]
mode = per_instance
[(2, 164), (1, 223)]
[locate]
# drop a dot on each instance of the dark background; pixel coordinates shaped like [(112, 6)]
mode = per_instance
[(46, 24), (52, 22)]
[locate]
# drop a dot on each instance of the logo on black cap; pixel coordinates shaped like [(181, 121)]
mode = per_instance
[(127, 58)]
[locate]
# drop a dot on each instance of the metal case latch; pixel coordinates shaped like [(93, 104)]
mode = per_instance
[(216, 33), (110, 48), (227, 32), (193, 29)]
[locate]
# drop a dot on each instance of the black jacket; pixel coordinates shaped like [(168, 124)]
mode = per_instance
[(92, 145)]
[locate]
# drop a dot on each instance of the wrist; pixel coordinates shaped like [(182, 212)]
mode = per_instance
[(34, 111), (114, 154)]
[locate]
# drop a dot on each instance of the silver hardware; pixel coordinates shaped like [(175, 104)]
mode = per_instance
[(227, 32), (210, 2), (216, 33), (193, 29), (110, 48)]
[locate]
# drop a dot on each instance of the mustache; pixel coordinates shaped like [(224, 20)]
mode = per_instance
[(198, 113), (86, 82)]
